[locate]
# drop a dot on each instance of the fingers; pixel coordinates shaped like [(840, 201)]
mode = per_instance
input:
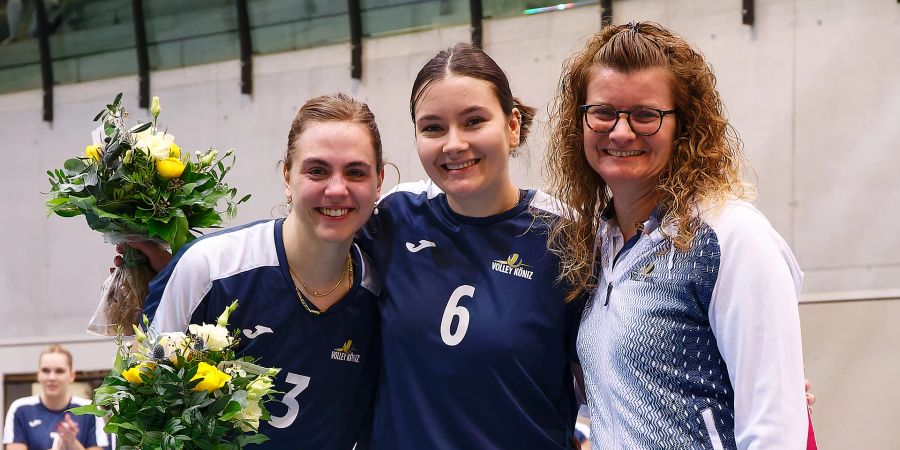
[(810, 399), (156, 254), (67, 428)]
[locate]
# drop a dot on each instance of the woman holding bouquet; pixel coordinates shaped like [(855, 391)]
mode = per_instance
[(42, 422), (308, 296), (477, 335)]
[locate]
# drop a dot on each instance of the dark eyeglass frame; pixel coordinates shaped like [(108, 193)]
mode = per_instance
[(662, 115)]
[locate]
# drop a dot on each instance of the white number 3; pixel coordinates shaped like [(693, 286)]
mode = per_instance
[(454, 310), (300, 383)]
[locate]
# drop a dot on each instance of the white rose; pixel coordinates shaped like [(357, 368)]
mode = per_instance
[(216, 338), (251, 412), (259, 387), (156, 145), (172, 342)]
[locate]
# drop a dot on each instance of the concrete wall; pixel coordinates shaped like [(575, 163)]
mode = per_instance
[(811, 88)]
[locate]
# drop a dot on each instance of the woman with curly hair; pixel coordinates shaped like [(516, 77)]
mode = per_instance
[(692, 336)]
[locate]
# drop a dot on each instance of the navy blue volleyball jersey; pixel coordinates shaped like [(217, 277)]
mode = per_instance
[(476, 336), (329, 362), (31, 423)]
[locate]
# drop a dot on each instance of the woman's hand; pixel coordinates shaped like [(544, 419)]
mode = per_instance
[(810, 397), (157, 256), (68, 433)]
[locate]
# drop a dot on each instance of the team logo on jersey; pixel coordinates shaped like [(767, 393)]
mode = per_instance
[(513, 265), (345, 352), (258, 330), (34, 423), (423, 244)]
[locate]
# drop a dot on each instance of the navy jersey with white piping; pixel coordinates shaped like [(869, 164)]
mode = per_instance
[(696, 349), (328, 362), (476, 335), (31, 423)]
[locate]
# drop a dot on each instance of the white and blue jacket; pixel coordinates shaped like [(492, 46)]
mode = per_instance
[(696, 349)]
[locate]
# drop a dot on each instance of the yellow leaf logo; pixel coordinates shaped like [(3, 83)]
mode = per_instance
[(514, 260), (348, 346)]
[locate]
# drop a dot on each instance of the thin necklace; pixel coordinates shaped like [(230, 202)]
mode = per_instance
[(316, 293), (302, 298)]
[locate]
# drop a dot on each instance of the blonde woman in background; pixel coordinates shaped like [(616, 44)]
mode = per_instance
[(41, 422)]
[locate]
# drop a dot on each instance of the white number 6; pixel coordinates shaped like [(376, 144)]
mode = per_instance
[(300, 383), (454, 310)]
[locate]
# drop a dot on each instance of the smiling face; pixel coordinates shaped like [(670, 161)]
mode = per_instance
[(333, 180), (464, 141), (624, 159), (55, 374)]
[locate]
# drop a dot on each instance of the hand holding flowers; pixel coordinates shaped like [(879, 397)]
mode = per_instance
[(136, 183)]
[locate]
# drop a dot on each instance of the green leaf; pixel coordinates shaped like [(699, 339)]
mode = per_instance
[(83, 203), (74, 166), (93, 410), (125, 426), (245, 440), (71, 187), (230, 411), (243, 199), (205, 218), (91, 178), (141, 127), (57, 201), (181, 232)]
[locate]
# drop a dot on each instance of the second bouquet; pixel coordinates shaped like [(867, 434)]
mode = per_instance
[(133, 183)]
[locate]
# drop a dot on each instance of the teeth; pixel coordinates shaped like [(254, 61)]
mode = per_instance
[(468, 163), (334, 212), (622, 153)]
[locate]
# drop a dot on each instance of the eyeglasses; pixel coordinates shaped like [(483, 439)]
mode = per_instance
[(643, 121)]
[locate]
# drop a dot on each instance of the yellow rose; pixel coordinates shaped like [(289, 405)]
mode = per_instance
[(212, 378), (170, 167), (92, 152), (133, 375), (174, 151)]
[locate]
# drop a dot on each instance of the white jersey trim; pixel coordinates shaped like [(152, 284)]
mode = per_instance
[(205, 262), (9, 426)]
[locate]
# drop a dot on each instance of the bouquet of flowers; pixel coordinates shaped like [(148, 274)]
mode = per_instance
[(135, 183), (184, 391)]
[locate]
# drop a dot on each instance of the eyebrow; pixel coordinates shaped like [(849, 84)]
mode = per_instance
[(469, 110), (322, 162)]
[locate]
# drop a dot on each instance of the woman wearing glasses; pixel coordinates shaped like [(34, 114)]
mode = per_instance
[(692, 337)]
